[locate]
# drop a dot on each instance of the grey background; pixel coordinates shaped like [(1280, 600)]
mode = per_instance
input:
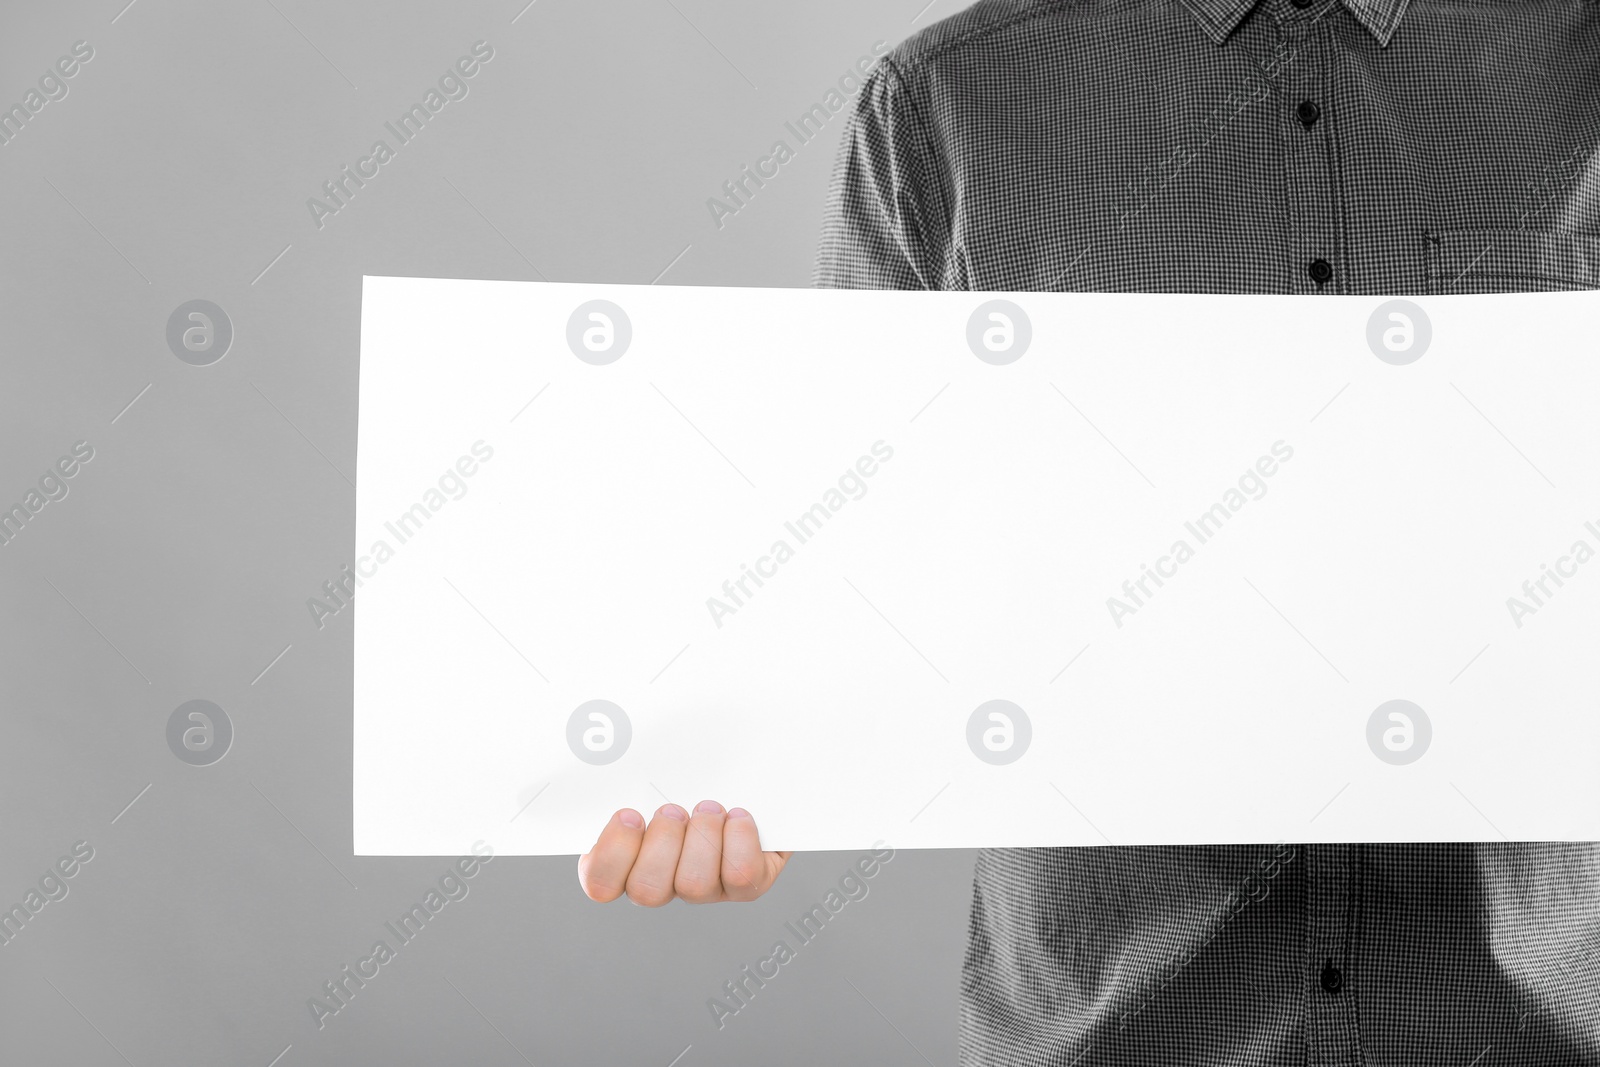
[(178, 167)]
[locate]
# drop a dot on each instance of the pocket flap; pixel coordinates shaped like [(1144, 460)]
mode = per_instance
[(1487, 261)]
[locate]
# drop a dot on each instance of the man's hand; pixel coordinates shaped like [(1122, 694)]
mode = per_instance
[(708, 857)]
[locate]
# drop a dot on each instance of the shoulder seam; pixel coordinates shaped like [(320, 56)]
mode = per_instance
[(1044, 9), (924, 133)]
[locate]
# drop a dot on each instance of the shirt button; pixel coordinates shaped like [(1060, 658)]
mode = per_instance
[(1308, 113), (1303, 3), (1332, 980), (1320, 270)]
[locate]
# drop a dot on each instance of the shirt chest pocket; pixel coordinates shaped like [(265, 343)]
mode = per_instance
[(1511, 261)]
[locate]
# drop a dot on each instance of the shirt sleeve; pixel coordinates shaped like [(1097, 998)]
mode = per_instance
[(884, 227)]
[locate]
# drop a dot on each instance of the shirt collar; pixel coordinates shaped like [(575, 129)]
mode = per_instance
[(1219, 17)]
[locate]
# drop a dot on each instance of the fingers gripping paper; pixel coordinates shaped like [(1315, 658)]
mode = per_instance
[(957, 569)]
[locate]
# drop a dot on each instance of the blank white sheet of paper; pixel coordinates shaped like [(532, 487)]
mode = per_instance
[(955, 569)]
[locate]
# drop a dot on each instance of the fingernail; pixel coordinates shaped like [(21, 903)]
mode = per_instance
[(738, 813), (708, 807), (672, 811), (630, 818)]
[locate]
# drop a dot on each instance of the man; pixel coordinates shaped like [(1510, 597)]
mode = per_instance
[(1227, 146)]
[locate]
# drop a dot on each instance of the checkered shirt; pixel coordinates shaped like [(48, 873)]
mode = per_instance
[(1250, 146)]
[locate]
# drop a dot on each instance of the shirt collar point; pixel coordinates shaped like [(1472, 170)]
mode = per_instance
[(1218, 18), (1380, 17)]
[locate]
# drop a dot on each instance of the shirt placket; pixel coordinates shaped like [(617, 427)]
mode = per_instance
[(1299, 70), (1332, 1034)]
